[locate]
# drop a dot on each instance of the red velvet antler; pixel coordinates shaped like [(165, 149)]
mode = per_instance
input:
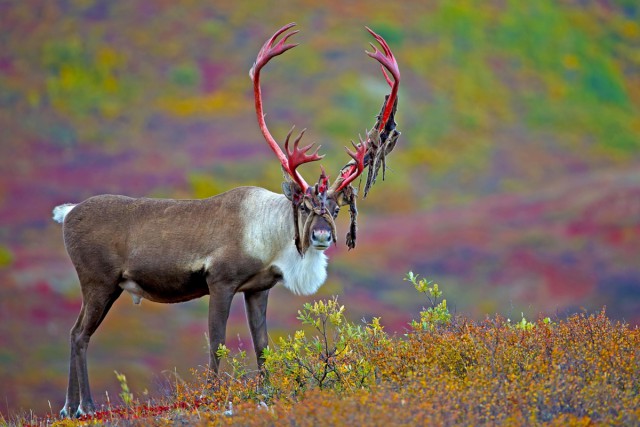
[(290, 160), (356, 169), (388, 61), (298, 156)]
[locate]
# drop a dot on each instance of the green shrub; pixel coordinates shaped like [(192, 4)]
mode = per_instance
[(336, 358)]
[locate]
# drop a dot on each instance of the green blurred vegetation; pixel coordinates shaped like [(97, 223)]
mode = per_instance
[(6, 257)]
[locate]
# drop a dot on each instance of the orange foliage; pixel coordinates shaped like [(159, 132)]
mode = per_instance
[(578, 371)]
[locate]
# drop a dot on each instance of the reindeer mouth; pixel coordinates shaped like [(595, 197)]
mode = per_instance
[(321, 244), (321, 239)]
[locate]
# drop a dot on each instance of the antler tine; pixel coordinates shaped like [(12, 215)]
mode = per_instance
[(357, 167), (299, 156), (268, 50), (291, 160), (388, 61)]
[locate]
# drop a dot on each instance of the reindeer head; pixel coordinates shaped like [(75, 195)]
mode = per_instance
[(315, 207)]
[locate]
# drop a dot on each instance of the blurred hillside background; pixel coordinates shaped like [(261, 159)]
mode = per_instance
[(515, 185)]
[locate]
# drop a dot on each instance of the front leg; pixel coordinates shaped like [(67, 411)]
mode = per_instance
[(255, 304), (219, 306)]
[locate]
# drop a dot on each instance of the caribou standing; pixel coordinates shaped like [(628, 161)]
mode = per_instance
[(247, 239)]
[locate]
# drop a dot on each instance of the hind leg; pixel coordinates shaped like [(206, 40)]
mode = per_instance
[(96, 303), (73, 392)]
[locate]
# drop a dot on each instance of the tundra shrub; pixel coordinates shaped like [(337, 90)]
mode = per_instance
[(446, 370), (337, 357)]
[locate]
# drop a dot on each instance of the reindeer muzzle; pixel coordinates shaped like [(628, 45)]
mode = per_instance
[(321, 239)]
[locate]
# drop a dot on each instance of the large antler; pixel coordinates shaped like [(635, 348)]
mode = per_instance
[(298, 156), (382, 138)]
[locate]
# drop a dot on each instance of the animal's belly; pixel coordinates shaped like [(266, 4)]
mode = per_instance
[(166, 288)]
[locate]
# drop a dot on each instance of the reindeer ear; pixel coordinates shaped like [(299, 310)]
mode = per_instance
[(286, 190), (291, 191)]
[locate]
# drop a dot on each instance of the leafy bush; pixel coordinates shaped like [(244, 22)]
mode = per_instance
[(337, 358), (436, 315)]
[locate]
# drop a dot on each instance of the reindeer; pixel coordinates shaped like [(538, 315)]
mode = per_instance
[(247, 239)]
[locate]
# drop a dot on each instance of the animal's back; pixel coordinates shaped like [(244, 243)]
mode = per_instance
[(110, 231)]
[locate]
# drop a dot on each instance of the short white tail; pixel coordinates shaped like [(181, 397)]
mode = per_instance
[(60, 212)]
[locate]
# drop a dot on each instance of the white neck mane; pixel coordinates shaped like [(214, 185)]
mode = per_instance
[(269, 236)]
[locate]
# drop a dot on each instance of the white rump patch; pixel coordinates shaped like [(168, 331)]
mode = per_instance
[(268, 236), (60, 212)]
